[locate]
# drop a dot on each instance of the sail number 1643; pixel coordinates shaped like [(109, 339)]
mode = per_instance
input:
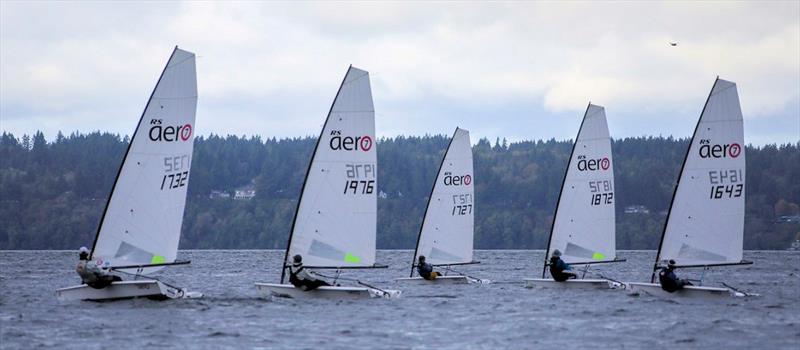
[(726, 183)]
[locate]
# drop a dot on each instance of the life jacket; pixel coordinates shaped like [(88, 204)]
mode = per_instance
[(557, 268), (293, 271), (669, 282), (425, 270)]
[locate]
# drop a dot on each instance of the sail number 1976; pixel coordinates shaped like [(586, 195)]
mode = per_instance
[(360, 179)]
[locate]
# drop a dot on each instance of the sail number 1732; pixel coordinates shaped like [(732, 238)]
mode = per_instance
[(176, 172)]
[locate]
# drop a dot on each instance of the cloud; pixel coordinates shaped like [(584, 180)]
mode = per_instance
[(499, 69)]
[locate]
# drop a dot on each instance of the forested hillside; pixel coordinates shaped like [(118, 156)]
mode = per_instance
[(52, 193)]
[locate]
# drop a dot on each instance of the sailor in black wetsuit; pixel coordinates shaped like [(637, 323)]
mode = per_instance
[(669, 282), (560, 270), (301, 278), (425, 270), (92, 275)]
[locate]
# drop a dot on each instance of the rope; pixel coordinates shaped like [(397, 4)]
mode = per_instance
[(448, 268), (137, 275), (337, 277)]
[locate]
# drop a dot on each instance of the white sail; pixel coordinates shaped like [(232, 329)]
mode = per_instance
[(706, 221), (142, 221), (584, 226), (335, 223), (446, 236)]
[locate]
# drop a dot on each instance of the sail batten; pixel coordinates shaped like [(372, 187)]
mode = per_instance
[(335, 222), (705, 222), (584, 223), (144, 214), (446, 235)]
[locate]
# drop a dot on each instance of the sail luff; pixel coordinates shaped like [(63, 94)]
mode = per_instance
[(125, 156), (705, 221), (447, 232), (677, 183), (584, 225), (563, 181), (428, 204), (144, 215), (305, 178), (336, 220)]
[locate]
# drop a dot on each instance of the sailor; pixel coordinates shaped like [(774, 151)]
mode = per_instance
[(301, 278), (91, 274), (560, 270), (425, 270), (669, 282)]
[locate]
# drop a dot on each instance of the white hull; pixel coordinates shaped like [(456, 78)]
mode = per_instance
[(289, 291), (150, 289), (687, 291), (442, 280), (572, 284)]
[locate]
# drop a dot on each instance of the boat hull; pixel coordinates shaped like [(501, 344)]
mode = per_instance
[(545, 283), (150, 289), (687, 291), (326, 292), (441, 280)]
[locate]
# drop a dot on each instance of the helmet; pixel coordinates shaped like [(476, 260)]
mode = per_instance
[(422, 258), (297, 258), (671, 262), (83, 253), (557, 253)]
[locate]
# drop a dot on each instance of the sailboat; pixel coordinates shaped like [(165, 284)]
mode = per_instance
[(140, 227), (335, 223), (705, 221), (448, 227), (584, 222)]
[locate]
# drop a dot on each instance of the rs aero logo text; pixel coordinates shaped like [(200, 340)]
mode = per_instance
[(593, 164), (457, 180), (169, 133), (708, 150), (349, 143)]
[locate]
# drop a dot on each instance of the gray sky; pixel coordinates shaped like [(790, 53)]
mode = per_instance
[(514, 70)]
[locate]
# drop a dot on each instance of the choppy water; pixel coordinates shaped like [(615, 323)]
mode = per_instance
[(500, 315)]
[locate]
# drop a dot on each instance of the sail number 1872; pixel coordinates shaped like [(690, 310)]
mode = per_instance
[(602, 192)]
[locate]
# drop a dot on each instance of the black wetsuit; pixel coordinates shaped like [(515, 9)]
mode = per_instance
[(303, 280), (425, 271), (669, 282), (560, 270)]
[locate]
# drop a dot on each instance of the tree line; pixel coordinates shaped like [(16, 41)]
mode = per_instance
[(52, 193)]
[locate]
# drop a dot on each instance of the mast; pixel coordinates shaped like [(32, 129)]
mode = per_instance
[(127, 150), (563, 181), (305, 179), (675, 189), (430, 197)]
